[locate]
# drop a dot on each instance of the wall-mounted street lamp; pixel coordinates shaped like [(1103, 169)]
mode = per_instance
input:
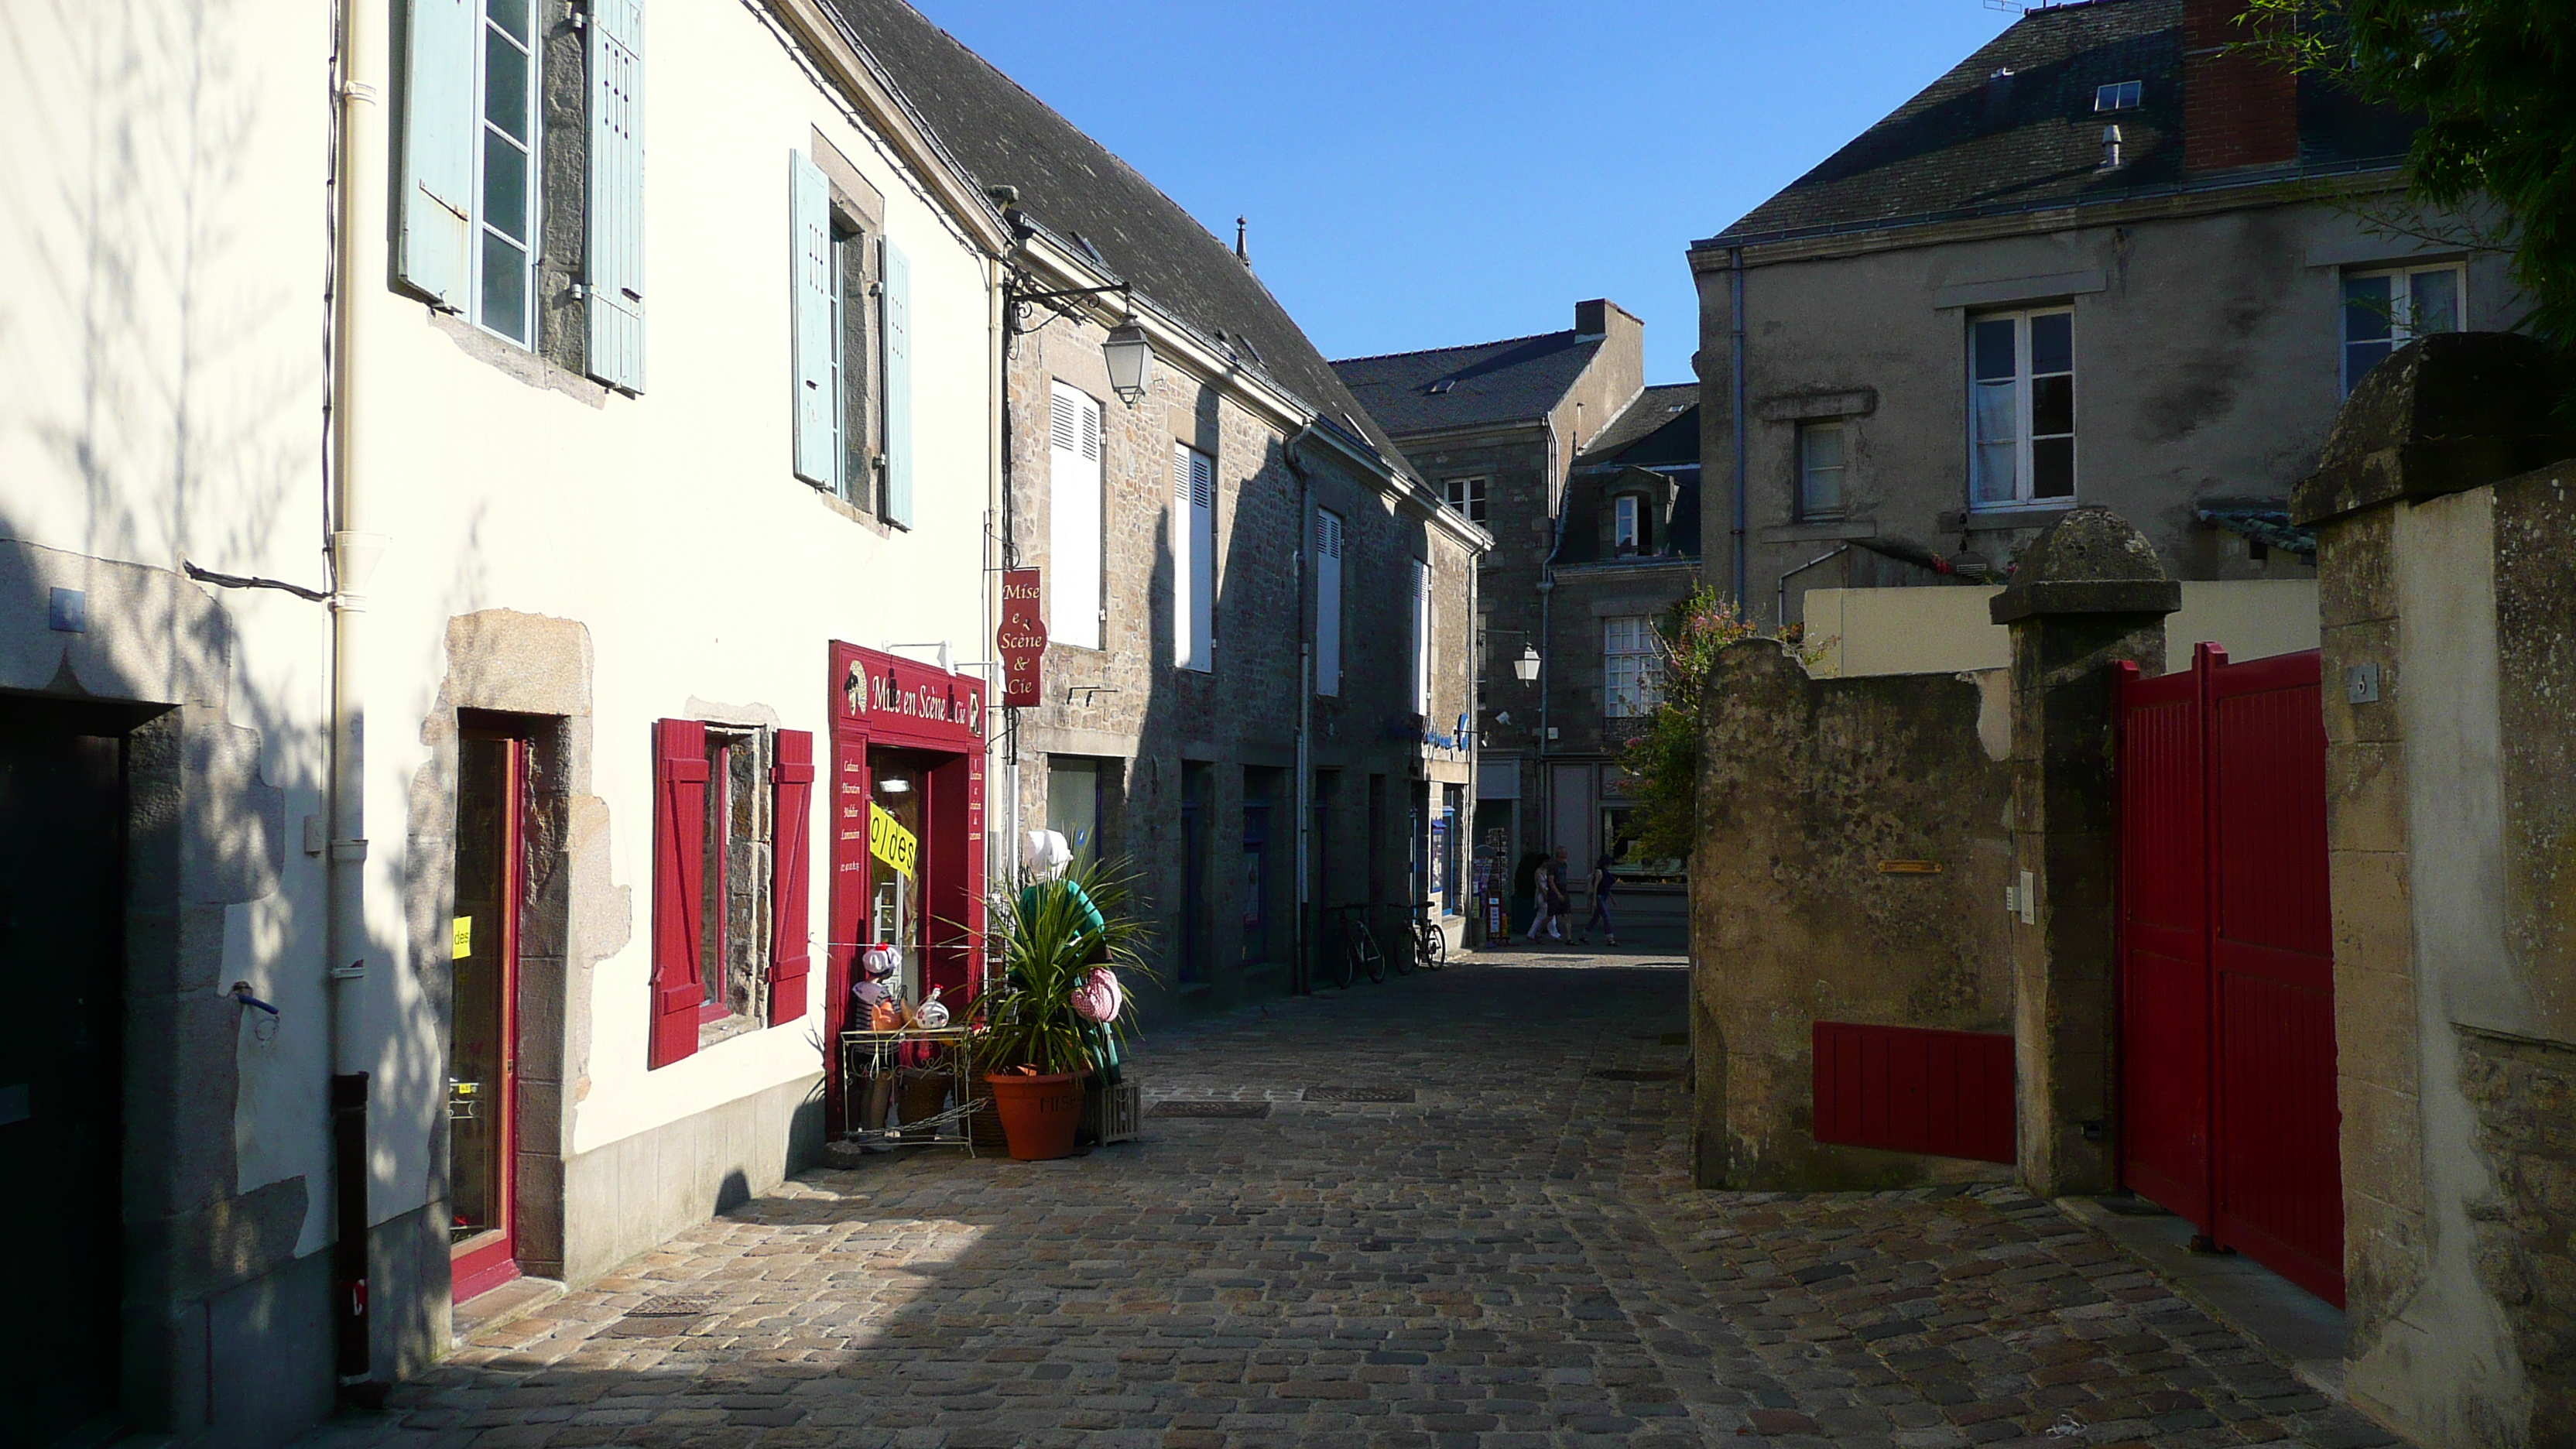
[(1125, 349), (1127, 352), (1525, 668)]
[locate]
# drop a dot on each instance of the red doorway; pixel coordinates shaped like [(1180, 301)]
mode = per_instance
[(482, 1074), (2227, 1046), (898, 721)]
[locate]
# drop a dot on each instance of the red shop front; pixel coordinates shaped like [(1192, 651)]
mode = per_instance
[(907, 753)]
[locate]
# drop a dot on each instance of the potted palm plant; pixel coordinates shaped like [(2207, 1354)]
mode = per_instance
[(1037, 1032)]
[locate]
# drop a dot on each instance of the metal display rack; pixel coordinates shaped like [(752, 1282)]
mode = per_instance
[(870, 1056)]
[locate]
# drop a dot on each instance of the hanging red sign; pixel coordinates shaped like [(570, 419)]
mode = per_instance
[(1022, 638)]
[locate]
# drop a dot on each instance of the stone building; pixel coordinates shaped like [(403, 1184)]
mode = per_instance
[(2102, 260), (1257, 686), (1588, 481)]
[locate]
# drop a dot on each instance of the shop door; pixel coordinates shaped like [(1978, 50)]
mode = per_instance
[(2227, 1041), (62, 956), (482, 1085)]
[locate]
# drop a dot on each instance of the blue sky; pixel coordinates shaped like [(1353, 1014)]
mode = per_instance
[(1449, 171)]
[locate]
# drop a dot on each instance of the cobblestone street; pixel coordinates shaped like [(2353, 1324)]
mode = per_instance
[(1511, 1255)]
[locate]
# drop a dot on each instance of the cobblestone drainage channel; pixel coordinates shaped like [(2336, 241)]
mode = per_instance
[(1359, 1094), (1236, 1110)]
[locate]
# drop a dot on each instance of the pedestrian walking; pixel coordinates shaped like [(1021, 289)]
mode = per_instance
[(1603, 883), (1553, 900), (1525, 890)]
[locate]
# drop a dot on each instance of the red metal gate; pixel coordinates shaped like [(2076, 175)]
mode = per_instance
[(2227, 1049)]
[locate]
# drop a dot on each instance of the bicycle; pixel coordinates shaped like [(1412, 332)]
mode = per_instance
[(1359, 947), (1430, 943)]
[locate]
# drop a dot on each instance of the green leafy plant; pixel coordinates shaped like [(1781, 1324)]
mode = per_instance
[(1043, 945), (1663, 760)]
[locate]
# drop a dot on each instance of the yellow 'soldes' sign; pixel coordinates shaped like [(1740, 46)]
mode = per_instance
[(890, 842)]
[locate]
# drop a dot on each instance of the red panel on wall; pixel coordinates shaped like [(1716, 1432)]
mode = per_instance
[(792, 876), (1911, 1089)]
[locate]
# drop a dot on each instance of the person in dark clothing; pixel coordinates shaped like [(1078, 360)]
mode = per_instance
[(1525, 888), (1603, 883)]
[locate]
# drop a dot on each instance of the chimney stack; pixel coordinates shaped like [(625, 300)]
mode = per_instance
[(2237, 110)]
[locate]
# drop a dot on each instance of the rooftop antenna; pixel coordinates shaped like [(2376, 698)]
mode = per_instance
[(2009, 7), (1240, 254)]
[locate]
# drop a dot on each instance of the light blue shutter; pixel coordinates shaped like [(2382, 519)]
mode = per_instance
[(617, 193), (1328, 602), (439, 124), (810, 225), (898, 387)]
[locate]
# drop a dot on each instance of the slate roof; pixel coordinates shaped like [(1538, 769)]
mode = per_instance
[(1959, 149), (1667, 414), (1076, 188), (1515, 380)]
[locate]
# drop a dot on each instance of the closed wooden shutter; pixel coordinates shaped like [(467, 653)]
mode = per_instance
[(1421, 637), (791, 886), (810, 317), (439, 126), (897, 333), (1194, 558), (679, 886), (1073, 526), (1328, 602), (616, 298)]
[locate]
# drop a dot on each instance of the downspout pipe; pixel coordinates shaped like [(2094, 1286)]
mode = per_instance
[(1735, 369), (1301, 969), (1547, 640), (358, 136)]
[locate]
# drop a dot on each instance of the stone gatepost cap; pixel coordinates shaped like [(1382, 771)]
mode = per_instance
[(2090, 561), (2443, 415)]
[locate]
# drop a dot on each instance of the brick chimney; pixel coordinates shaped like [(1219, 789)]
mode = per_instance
[(2236, 110)]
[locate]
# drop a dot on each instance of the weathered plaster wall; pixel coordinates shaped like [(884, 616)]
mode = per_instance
[(1806, 785), (2207, 363)]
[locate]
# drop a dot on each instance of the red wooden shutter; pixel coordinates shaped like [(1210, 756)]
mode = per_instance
[(679, 885), (791, 887)]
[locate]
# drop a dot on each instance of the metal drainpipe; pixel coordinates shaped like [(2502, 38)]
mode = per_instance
[(1547, 641), (1004, 869), (1300, 971), (353, 555), (1735, 364), (1780, 605)]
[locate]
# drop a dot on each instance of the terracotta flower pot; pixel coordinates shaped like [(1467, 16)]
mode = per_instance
[(1039, 1114)]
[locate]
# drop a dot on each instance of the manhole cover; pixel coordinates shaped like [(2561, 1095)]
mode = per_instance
[(1211, 1109), (675, 1305), (1359, 1094), (1636, 1074)]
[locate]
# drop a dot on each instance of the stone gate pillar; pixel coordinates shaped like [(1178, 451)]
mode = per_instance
[(2089, 595)]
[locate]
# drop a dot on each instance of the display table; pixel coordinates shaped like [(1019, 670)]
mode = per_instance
[(927, 1074)]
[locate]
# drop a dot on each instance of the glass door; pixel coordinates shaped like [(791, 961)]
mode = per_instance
[(898, 779), (482, 1137)]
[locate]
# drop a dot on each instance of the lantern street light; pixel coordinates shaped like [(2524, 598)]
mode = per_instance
[(1525, 668), (1127, 352)]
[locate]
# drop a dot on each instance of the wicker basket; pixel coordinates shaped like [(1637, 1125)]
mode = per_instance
[(1112, 1111)]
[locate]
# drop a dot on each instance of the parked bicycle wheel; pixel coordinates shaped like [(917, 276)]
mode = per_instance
[(1435, 946), (1370, 956)]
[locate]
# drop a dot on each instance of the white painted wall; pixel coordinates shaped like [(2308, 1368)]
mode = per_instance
[(161, 375)]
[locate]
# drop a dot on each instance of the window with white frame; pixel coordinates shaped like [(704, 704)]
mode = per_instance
[(1421, 638), (2386, 308), (2021, 407), (505, 223), (1632, 666), (1467, 498), (1632, 528), (1328, 602), (1822, 459)]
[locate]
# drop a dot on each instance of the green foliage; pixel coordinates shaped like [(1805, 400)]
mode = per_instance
[(2495, 81), (1042, 945), (1663, 761)]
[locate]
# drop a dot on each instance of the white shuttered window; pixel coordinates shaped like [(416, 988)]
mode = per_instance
[(1193, 558), (1421, 638), (616, 263), (813, 281), (894, 334), (1073, 527), (1328, 602)]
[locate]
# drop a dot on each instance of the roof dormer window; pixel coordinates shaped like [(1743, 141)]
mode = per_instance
[(2117, 96), (1631, 529)]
